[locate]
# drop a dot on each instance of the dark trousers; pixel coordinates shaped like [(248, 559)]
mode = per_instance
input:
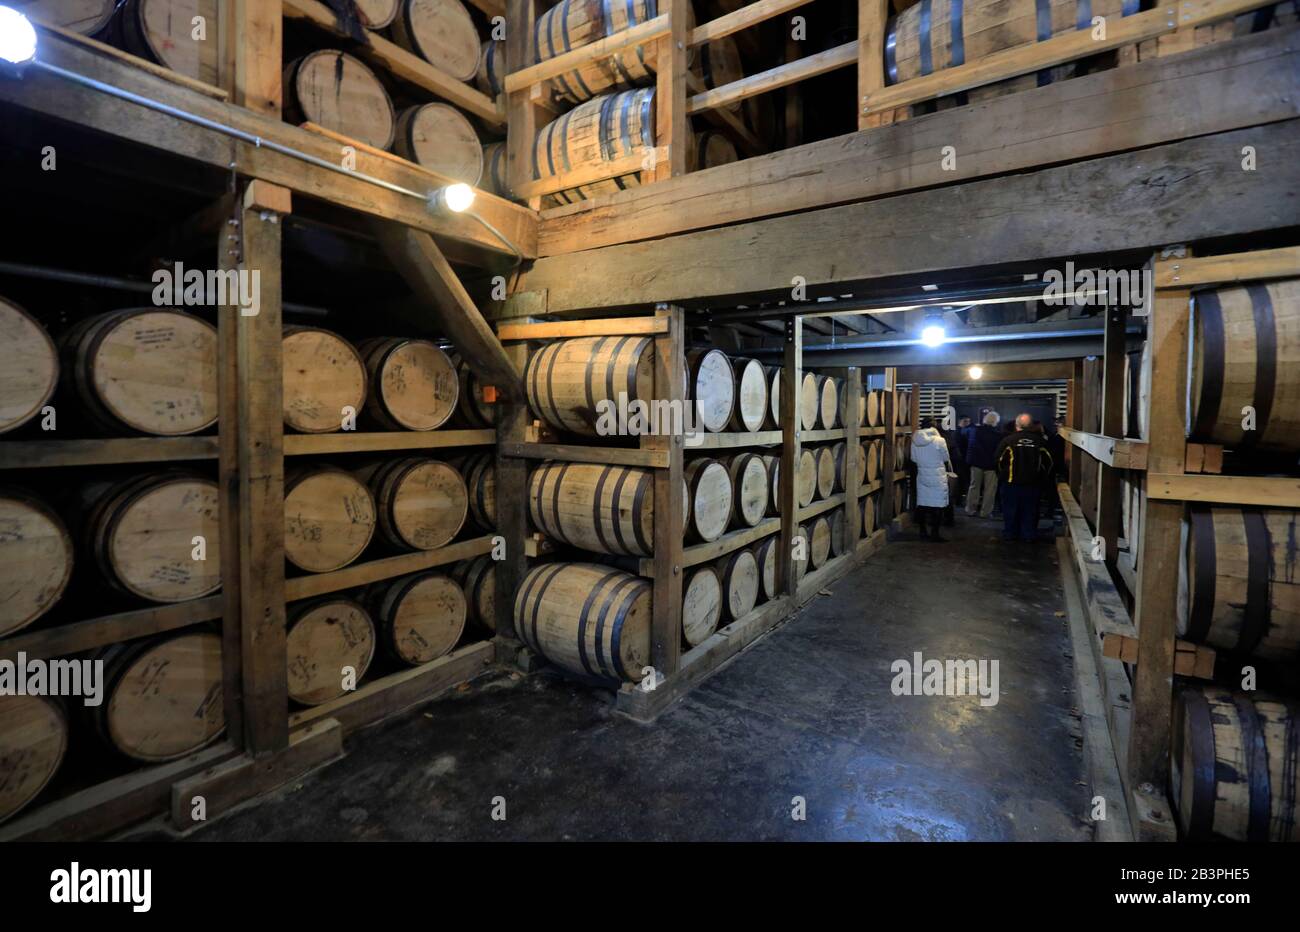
[(1019, 511)]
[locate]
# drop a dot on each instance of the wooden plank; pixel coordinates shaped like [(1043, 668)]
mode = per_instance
[(1159, 553), (852, 453), (511, 505), (42, 454), (225, 785), (733, 125), (402, 64), (618, 456), (672, 128), (1248, 81), (430, 276), (1063, 47), (601, 327), (382, 441), (750, 14), (788, 477), (821, 507), (605, 47), (1262, 491), (258, 37), (114, 804), (1114, 400), (376, 700), (362, 574), (1224, 270), (45, 93), (709, 551), (74, 637), (668, 560), (589, 174), (1194, 660), (873, 20), (730, 440), (524, 117), (888, 468), (1186, 190), (1107, 613), (260, 485), (810, 67)]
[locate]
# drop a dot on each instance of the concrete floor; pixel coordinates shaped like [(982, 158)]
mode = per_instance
[(807, 711)]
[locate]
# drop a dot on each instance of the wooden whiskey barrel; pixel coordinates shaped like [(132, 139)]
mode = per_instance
[(163, 31), (495, 179), (472, 410), (709, 149), (773, 466), (588, 619), (568, 380), (938, 34), (480, 472), (337, 92), (606, 129), (810, 396), (875, 409), (701, 605), (141, 532), (902, 408), (576, 23), (147, 370), (807, 480), (1246, 351), (421, 503), (329, 518), (1236, 765), (418, 617), (477, 578), (29, 366), (819, 542), (325, 637), (828, 412), (411, 385), (839, 452), (162, 696), (765, 557), (900, 498), (491, 73), (870, 513), (709, 489), (605, 509), (85, 17), (377, 14), (1243, 589), (441, 32), (839, 532), (750, 393), (750, 493), (712, 388), (826, 471), (773, 420), (33, 742), (802, 543), (871, 456), (36, 557), (718, 64), (739, 574), (324, 379), (440, 138)]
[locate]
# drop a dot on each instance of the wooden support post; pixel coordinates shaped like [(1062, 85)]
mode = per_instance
[(511, 506), (258, 40), (1156, 600), (1076, 422), (1113, 400), (260, 532), (672, 128), (524, 117), (873, 17), (666, 629), (889, 400), (788, 477), (852, 454)]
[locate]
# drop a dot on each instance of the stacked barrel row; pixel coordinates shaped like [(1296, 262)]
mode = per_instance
[(326, 87), (1236, 758)]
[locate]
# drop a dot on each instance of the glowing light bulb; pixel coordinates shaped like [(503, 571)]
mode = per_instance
[(457, 197), (17, 37), (976, 372), (933, 335)]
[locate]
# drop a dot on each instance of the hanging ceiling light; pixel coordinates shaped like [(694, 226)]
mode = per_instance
[(17, 38), (934, 334)]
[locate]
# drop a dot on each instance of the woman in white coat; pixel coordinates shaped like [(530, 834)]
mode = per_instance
[(930, 456)]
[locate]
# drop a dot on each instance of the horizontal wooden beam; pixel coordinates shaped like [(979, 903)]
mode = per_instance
[(601, 327), (822, 62), (589, 174), (751, 14), (1222, 270), (400, 63), (1248, 81), (650, 30), (1195, 660), (384, 441), (42, 454), (1265, 491), (75, 637), (90, 109), (363, 574), (1178, 192), (1064, 47), (572, 453), (1118, 452)]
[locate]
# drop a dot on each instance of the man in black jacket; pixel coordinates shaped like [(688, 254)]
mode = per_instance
[(1022, 462)]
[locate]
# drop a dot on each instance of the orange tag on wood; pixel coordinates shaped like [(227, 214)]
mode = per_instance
[(490, 394)]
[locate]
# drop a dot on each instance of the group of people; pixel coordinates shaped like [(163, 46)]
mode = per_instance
[(1015, 467)]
